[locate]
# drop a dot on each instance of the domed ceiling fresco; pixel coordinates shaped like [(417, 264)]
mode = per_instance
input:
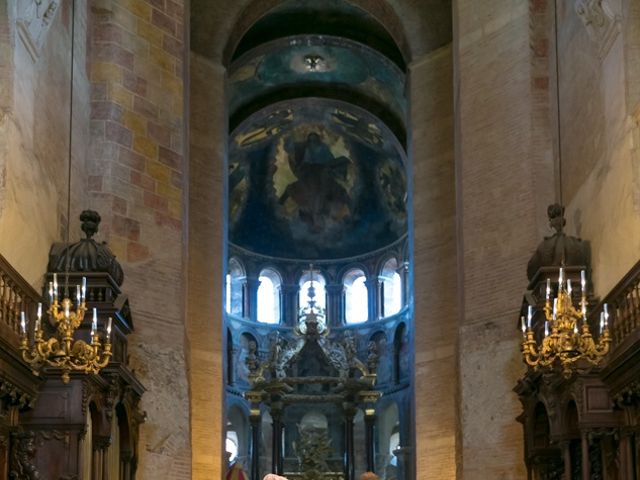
[(315, 178), (292, 67)]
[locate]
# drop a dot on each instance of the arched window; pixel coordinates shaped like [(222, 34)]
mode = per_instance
[(356, 298), (231, 445), (269, 296), (390, 288), (234, 291), (318, 284), (394, 443)]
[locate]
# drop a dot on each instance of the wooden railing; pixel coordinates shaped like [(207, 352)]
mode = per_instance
[(624, 307), (16, 295)]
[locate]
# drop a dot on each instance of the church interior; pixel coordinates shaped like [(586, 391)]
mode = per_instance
[(322, 239)]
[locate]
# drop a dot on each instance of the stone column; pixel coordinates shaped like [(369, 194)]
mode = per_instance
[(335, 309), (369, 422), (403, 271), (405, 462), (276, 439), (255, 419), (349, 453), (289, 299), (373, 293), (251, 298)]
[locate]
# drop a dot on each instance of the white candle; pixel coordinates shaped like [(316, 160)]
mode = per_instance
[(84, 288), (548, 288), (55, 285), (94, 323), (522, 325), (78, 295), (23, 323), (606, 315), (569, 287), (546, 328), (50, 292), (555, 308), (109, 327), (39, 317), (560, 278), (529, 316), (601, 321), (583, 281)]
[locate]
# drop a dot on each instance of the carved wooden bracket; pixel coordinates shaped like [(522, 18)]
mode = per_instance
[(22, 457)]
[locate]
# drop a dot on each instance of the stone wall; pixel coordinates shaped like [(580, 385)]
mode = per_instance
[(599, 106), (34, 131), (135, 180), (500, 135)]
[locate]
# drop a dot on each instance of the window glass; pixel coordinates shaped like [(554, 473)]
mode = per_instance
[(234, 287), (356, 305), (269, 297), (318, 285), (231, 445), (391, 288)]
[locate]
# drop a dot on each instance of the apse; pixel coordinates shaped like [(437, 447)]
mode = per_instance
[(318, 303)]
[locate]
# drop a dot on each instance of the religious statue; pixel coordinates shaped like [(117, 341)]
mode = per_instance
[(373, 358), (252, 360)]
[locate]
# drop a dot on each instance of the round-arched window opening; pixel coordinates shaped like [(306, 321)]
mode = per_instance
[(269, 297), (307, 278), (394, 444), (231, 445), (356, 297), (234, 289), (391, 288)]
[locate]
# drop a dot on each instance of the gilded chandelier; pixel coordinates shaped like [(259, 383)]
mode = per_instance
[(62, 350), (567, 338)]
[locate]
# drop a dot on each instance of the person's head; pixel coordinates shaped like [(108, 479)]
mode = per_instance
[(273, 476), (369, 476)]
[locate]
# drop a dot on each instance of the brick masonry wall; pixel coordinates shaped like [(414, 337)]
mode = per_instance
[(496, 161), (135, 181), (435, 263)]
